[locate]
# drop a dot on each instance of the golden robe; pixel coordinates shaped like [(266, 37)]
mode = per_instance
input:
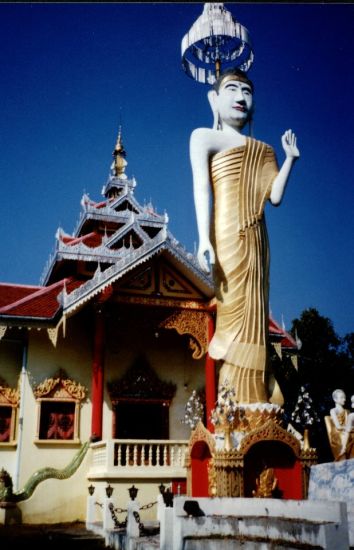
[(242, 178)]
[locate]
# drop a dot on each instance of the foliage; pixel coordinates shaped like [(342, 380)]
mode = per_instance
[(193, 411), (326, 361), (226, 405)]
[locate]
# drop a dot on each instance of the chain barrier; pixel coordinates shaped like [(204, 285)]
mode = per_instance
[(142, 529), (123, 524), (117, 524), (147, 506), (99, 504)]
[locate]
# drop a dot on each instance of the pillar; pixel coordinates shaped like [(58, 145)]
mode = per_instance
[(210, 382), (97, 375)]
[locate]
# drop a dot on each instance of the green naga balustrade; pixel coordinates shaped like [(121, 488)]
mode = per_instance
[(6, 487)]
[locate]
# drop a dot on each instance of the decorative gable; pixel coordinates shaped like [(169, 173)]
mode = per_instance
[(160, 279)]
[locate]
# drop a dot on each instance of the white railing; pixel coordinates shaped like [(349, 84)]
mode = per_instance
[(141, 458)]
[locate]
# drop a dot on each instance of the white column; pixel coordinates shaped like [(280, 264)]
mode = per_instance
[(16, 480)]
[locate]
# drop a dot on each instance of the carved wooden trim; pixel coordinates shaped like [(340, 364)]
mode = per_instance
[(8, 396), (60, 387), (200, 433), (141, 382), (194, 323), (270, 431), (163, 302)]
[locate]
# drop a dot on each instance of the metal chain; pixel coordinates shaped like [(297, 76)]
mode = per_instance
[(119, 510), (123, 524), (142, 529), (99, 504), (117, 524), (147, 506)]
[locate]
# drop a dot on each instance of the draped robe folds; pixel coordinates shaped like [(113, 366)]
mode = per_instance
[(242, 179)]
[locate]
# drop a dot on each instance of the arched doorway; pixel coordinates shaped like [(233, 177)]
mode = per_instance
[(200, 456), (287, 468)]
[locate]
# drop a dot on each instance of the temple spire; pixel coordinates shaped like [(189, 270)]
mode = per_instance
[(118, 181), (119, 155)]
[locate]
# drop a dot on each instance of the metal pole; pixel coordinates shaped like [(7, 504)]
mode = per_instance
[(21, 417)]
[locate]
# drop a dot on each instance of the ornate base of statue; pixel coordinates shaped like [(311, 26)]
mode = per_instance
[(253, 456)]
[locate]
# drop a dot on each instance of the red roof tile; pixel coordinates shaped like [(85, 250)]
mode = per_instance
[(41, 302), (287, 341), (92, 239), (274, 328), (10, 293)]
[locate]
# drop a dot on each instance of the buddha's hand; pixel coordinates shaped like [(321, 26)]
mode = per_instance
[(205, 252), (288, 141)]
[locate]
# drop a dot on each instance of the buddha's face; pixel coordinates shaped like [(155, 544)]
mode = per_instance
[(234, 102)]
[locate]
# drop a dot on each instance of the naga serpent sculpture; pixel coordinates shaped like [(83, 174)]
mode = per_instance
[(6, 488)]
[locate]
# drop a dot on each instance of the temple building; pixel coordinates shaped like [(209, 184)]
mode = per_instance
[(97, 363)]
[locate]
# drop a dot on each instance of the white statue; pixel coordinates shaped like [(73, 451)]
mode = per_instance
[(339, 414), (336, 423), (348, 437), (241, 174)]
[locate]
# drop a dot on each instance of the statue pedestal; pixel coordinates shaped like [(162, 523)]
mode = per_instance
[(268, 461)]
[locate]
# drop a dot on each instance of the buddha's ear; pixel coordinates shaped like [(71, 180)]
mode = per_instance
[(212, 97)]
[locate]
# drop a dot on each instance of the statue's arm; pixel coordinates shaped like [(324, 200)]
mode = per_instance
[(291, 155), (199, 156)]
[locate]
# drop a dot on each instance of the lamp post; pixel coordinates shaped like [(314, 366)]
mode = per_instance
[(133, 491), (168, 498), (91, 490), (109, 491)]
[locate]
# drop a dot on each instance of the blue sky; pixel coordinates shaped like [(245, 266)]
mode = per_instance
[(71, 73)]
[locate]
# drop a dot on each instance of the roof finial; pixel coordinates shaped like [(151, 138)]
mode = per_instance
[(119, 155)]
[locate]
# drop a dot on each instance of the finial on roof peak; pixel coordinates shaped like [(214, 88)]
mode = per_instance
[(119, 155)]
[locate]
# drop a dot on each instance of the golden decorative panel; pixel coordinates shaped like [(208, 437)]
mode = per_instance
[(194, 323), (60, 388), (8, 396), (270, 431), (201, 433)]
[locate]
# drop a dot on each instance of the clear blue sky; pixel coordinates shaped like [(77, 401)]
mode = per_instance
[(70, 73)]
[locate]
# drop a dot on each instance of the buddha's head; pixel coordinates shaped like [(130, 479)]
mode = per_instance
[(231, 99)]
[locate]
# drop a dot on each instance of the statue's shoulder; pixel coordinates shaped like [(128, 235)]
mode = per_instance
[(203, 138), (202, 133)]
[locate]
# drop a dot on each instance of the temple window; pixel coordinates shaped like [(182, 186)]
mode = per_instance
[(59, 400), (9, 402)]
